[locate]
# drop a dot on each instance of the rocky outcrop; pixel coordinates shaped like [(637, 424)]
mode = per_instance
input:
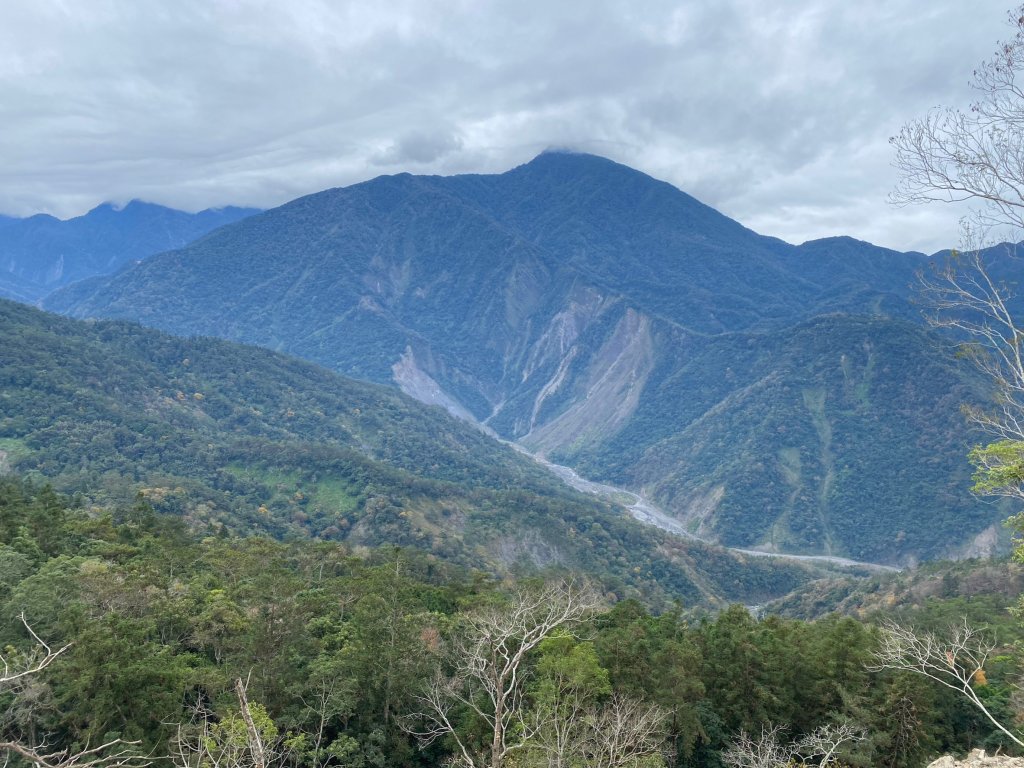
[(978, 759)]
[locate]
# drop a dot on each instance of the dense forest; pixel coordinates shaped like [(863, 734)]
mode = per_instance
[(341, 652), (240, 438)]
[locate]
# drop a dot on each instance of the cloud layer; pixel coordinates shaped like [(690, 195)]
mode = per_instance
[(777, 114)]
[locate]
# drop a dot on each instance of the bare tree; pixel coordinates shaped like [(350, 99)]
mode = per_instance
[(766, 751), (558, 725), (38, 658), (113, 754), (963, 296), (620, 733), (823, 744), (488, 659), (16, 673), (329, 699), (820, 747), (624, 733), (955, 662), (975, 155)]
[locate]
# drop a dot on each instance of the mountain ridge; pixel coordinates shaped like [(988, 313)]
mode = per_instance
[(41, 253), (553, 303)]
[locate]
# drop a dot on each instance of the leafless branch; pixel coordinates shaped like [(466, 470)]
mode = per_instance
[(623, 733), (36, 660), (824, 743), (963, 296), (766, 751), (112, 754), (820, 747), (257, 748), (227, 744), (487, 657), (955, 661), (977, 155), (16, 673)]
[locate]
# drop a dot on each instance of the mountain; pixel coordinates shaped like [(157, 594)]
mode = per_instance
[(17, 288), (41, 253), (842, 434), (240, 439), (767, 394)]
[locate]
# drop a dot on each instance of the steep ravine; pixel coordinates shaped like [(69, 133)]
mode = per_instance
[(419, 385), (645, 511)]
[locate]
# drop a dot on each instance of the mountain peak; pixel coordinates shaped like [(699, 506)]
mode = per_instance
[(575, 162), (108, 207)]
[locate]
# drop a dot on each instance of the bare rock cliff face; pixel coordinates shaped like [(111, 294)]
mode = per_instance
[(978, 759)]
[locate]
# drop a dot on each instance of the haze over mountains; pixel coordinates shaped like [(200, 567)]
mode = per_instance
[(766, 394), (41, 253)]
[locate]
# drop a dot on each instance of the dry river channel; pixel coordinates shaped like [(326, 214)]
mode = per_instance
[(647, 512)]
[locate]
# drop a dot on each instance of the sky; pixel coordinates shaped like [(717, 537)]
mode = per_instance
[(776, 113)]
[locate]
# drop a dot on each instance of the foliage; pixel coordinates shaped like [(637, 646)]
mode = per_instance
[(338, 646)]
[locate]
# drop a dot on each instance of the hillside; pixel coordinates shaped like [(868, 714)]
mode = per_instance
[(41, 253), (240, 439), (614, 323), (937, 595), (337, 644), (836, 435)]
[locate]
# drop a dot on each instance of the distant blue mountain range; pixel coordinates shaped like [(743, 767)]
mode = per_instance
[(41, 253)]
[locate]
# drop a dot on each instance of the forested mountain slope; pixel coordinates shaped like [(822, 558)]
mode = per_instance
[(240, 439), (843, 433), (614, 323)]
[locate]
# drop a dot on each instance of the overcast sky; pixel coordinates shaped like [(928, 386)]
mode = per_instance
[(777, 113)]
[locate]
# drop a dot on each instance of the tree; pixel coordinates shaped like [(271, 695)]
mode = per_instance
[(964, 297), (820, 747), (625, 733), (488, 658), (569, 682), (655, 659), (17, 670), (975, 155), (246, 740), (766, 751), (571, 723), (956, 662)]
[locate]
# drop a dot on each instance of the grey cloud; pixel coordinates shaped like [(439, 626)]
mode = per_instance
[(776, 113), (418, 149)]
